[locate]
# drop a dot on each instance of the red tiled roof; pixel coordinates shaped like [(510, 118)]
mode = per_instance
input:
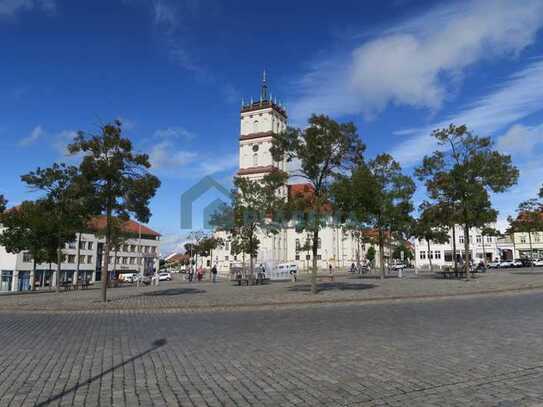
[(130, 226), (307, 193)]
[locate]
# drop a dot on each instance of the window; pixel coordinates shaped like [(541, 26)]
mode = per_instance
[(225, 258), (82, 245), (298, 245), (422, 254), (448, 256), (255, 159), (89, 259), (461, 239), (430, 255), (118, 260), (27, 258), (132, 260), (522, 239), (125, 247), (489, 239), (133, 248), (308, 257), (89, 246), (146, 249), (319, 243), (153, 249), (125, 260), (479, 239), (140, 261), (71, 258), (297, 257), (319, 257), (71, 245), (437, 255)]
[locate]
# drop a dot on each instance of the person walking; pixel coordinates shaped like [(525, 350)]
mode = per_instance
[(214, 273)]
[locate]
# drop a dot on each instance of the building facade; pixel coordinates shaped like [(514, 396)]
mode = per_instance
[(84, 258), (480, 248), (259, 121)]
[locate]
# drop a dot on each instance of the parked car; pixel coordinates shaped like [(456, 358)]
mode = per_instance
[(164, 276), (399, 266), (526, 262), (506, 264), (494, 264), (518, 263), (538, 263), (144, 279)]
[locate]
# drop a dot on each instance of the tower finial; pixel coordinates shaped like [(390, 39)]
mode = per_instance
[(264, 92)]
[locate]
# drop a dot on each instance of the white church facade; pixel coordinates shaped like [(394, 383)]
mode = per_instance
[(259, 121)]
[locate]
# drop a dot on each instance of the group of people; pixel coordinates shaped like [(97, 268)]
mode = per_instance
[(199, 273)]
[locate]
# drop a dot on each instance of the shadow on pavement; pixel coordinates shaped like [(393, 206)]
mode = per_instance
[(332, 286), (154, 346), (174, 291)]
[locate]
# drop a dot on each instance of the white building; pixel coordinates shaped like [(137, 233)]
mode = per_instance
[(442, 254), (259, 121), (517, 246), (139, 253)]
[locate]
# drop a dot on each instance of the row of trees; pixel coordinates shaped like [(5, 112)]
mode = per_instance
[(368, 195), (111, 180)]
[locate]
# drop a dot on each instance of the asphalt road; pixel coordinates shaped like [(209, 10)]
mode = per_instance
[(463, 352)]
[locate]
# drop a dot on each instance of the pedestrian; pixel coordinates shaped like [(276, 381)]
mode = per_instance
[(214, 273), (330, 269), (353, 268), (199, 274)]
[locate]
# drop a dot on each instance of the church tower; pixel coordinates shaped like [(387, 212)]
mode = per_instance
[(260, 120)]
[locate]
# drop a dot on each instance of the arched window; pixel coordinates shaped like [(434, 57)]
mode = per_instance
[(255, 159), (256, 126)]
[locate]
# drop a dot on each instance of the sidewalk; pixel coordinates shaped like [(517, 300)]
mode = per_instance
[(181, 295)]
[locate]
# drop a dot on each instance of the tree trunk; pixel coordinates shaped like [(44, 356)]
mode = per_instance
[(381, 253), (105, 258), (33, 275), (429, 255), (484, 251), (466, 251), (358, 252), (314, 247), (455, 260), (76, 275), (531, 250), (59, 263)]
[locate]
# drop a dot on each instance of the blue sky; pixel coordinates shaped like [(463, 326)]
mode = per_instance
[(175, 72)]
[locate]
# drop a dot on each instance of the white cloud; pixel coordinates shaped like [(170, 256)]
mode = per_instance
[(165, 156), (174, 133), (419, 61), (9, 8), (520, 139), (36, 134), (215, 165), (519, 97)]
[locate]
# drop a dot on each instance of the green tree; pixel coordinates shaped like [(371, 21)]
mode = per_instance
[(28, 228), (3, 203), (529, 220), (255, 210), (323, 150), (429, 227), (464, 171), (379, 195), (370, 254), (120, 180), (66, 192), (400, 248)]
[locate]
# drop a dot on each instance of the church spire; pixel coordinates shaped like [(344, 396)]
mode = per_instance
[(264, 92)]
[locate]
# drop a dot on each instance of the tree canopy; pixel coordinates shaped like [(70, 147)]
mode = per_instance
[(321, 151), (462, 173)]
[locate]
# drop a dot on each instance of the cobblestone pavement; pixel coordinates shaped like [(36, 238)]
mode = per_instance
[(182, 295), (485, 351)]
